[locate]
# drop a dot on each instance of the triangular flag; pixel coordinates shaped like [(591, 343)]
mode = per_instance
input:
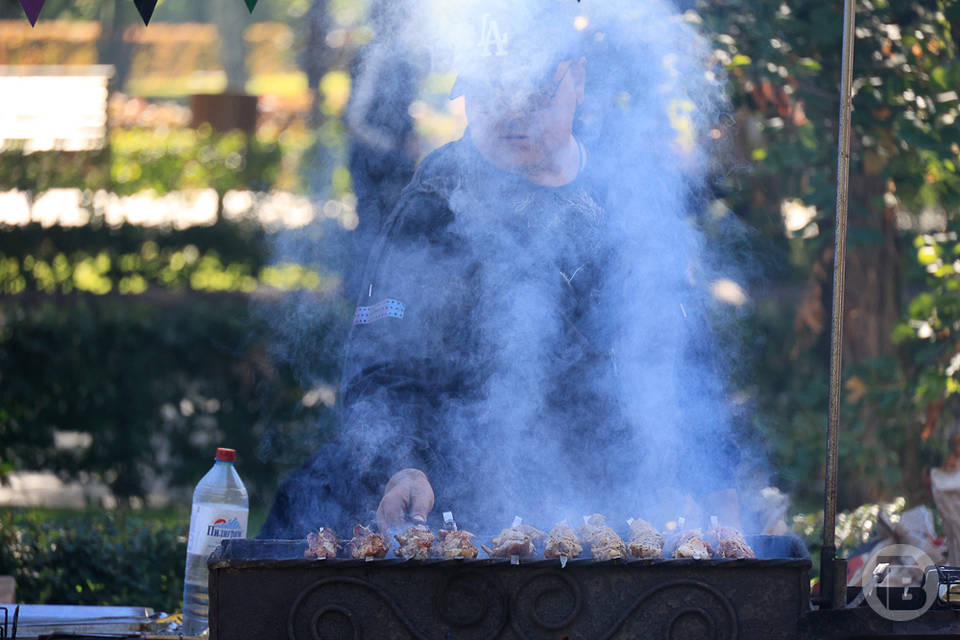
[(146, 7), (251, 4), (32, 9)]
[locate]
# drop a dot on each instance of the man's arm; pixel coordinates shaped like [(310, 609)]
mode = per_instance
[(400, 360)]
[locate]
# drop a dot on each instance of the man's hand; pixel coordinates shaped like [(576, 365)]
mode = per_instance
[(408, 494)]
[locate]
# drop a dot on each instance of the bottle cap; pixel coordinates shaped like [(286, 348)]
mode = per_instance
[(226, 455)]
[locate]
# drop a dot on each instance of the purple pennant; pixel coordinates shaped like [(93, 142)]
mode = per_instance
[(251, 4), (32, 9), (146, 7)]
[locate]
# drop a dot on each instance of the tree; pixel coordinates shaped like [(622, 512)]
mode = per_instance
[(783, 61)]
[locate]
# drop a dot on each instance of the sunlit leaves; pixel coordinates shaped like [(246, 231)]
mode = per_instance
[(934, 317), (166, 160), (335, 87), (785, 55), (904, 166), (854, 527), (151, 267)]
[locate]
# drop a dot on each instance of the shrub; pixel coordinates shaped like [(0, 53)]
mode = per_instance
[(94, 559)]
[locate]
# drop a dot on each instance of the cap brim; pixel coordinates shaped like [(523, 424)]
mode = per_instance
[(529, 75)]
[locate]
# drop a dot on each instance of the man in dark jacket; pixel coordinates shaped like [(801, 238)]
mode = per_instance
[(481, 374)]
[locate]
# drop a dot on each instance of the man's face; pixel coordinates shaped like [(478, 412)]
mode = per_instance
[(523, 129)]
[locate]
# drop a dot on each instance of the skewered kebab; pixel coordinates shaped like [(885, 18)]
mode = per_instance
[(604, 542), (728, 542), (322, 544), (366, 544), (562, 542), (536, 536), (515, 541), (689, 544), (415, 543), (455, 544), (645, 541)]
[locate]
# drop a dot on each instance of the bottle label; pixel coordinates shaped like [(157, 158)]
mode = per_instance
[(212, 523)]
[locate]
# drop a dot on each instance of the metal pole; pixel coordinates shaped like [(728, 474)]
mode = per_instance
[(828, 565)]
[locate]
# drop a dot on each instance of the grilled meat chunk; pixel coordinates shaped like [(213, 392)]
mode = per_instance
[(645, 541), (515, 541), (604, 542), (728, 542), (562, 541), (366, 544), (536, 536), (456, 544), (689, 544), (415, 543), (322, 544)]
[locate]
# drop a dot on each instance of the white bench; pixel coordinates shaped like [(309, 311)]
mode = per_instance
[(60, 107)]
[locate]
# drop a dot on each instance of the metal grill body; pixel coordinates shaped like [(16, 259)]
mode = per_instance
[(290, 597)]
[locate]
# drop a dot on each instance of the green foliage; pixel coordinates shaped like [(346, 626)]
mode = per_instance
[(94, 559), (930, 336), (783, 62), (855, 528), (783, 59), (157, 382), (172, 160), (131, 260), (40, 171), (163, 161)]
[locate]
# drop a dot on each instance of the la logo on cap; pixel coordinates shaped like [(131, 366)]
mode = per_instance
[(492, 42)]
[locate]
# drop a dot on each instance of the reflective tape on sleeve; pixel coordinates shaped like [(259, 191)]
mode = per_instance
[(388, 308)]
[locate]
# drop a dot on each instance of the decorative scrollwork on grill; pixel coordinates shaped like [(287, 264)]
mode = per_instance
[(328, 622), (692, 620), (332, 609), (471, 598), (678, 610), (550, 599)]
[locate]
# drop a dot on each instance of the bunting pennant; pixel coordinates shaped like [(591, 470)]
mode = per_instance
[(145, 7), (32, 9)]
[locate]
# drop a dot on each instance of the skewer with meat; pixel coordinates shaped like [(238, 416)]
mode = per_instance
[(536, 536), (515, 541), (562, 542), (604, 542), (456, 545), (322, 544), (645, 541), (689, 544), (728, 542), (366, 544), (415, 543)]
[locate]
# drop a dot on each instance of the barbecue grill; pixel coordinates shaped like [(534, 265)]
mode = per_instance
[(292, 597), (267, 589)]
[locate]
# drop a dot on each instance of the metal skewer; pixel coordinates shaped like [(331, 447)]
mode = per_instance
[(830, 581)]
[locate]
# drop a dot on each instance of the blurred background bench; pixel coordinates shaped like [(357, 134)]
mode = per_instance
[(61, 107)]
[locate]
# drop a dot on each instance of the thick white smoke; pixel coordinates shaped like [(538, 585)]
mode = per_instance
[(521, 444)]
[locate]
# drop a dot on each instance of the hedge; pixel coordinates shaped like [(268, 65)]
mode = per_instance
[(94, 559), (158, 381)]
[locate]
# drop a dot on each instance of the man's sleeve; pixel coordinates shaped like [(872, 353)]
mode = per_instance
[(410, 340)]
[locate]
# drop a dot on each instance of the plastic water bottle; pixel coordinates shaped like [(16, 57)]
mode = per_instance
[(220, 509)]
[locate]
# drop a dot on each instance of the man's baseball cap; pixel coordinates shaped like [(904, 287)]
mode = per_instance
[(516, 44)]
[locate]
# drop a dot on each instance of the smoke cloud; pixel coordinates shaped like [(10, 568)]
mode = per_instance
[(581, 329)]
